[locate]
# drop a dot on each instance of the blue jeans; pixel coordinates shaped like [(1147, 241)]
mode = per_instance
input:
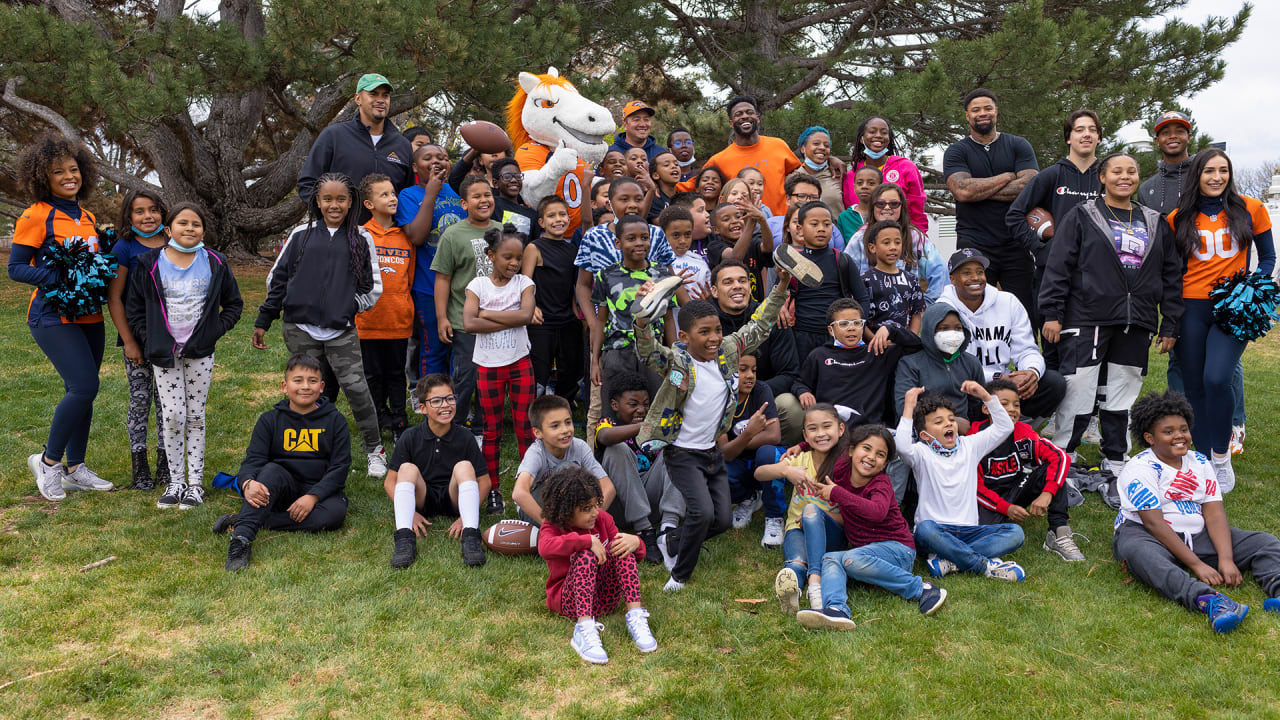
[(433, 354), (1174, 380), (968, 546), (886, 564), (804, 547), (742, 483)]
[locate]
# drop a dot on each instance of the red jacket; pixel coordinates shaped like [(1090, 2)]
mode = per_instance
[(556, 546), (1022, 452)]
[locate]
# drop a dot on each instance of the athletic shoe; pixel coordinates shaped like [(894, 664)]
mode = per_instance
[(472, 547), (815, 595), (1224, 613), (652, 553), (1005, 570), (673, 585), (82, 478), (743, 511), (655, 303), (1226, 474), (225, 523), (772, 537), (48, 477), (141, 472), (940, 567), (377, 463), (192, 497), (787, 587), (238, 552), (495, 506), (1093, 433), (1271, 604), (931, 598), (1063, 544), (826, 619), (586, 642), (405, 550), (172, 495), (1237, 439), (668, 545), (638, 626), (800, 267), (1115, 467)]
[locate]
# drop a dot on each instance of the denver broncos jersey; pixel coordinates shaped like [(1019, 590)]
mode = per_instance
[(40, 225), (533, 156), (1219, 255)]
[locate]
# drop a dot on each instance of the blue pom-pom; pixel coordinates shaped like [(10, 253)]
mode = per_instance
[(83, 279), (1244, 305)]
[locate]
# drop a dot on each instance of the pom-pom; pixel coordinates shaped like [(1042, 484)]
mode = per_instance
[(1244, 305), (83, 276)]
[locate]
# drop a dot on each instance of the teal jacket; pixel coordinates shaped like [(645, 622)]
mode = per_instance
[(675, 365)]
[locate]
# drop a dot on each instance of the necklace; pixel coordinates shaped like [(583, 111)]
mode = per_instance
[(1111, 211), (740, 412), (985, 146)]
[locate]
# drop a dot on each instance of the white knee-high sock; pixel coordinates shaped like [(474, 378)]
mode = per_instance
[(405, 504), (469, 503)]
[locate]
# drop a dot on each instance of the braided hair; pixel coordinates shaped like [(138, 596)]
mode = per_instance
[(357, 246)]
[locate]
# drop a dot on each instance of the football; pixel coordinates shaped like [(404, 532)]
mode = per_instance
[(484, 136), (1042, 222), (512, 537)]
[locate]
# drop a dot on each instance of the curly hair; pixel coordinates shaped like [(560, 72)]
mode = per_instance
[(1000, 383), (928, 404), (840, 304), (1150, 408), (37, 158), (625, 382), (566, 490)]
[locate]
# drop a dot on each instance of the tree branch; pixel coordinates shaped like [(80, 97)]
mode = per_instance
[(830, 13), (837, 49), (691, 31)]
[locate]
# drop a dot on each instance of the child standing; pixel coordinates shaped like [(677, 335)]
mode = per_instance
[(497, 309), (424, 211), (141, 228), (327, 272), (182, 299), (548, 261), (917, 255), (385, 328), (896, 299), (591, 566), (839, 278), (508, 208), (865, 179)]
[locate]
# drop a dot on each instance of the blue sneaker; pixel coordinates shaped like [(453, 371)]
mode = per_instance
[(826, 619), (1224, 613), (1271, 604), (931, 598), (940, 567)]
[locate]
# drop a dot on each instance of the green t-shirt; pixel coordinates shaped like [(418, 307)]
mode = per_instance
[(462, 256)]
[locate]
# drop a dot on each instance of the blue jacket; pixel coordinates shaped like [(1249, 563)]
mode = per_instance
[(651, 147)]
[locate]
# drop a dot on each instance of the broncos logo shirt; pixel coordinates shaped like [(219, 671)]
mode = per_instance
[(1219, 255), (571, 187), (40, 225)]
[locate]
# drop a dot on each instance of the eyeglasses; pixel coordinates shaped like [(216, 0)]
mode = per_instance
[(439, 402), (681, 143), (888, 204), (848, 324), (805, 198), (510, 176)]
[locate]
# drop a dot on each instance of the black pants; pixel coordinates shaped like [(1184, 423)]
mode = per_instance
[(1049, 392), (562, 346), (1012, 269), (385, 372), (806, 342), (1087, 352), (1025, 493), (702, 480), (328, 514)]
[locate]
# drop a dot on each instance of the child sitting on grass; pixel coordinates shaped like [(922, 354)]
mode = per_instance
[(554, 447), (591, 566), (1172, 520)]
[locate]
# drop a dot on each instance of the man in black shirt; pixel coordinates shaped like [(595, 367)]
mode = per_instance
[(985, 171)]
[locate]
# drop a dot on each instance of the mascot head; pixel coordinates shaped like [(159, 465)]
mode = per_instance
[(548, 109)]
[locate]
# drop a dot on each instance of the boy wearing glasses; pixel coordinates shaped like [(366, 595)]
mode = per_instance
[(437, 469), (508, 181)]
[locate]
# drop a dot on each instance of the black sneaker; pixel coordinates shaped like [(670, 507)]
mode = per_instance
[(406, 549), (472, 547), (651, 551), (172, 496), (224, 523), (655, 304), (495, 505), (931, 598), (238, 552), (142, 472), (800, 267), (826, 619)]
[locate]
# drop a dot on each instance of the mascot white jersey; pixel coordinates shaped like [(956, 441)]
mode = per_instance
[(556, 133)]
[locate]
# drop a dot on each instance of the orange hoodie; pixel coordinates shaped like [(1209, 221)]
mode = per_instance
[(391, 318)]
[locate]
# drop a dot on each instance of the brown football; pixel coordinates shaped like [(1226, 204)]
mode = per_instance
[(1041, 222), (512, 537), (484, 136)]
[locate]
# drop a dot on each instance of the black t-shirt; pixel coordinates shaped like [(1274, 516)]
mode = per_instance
[(524, 218), (555, 279), (757, 260), (982, 223), (812, 303), (760, 394), (436, 456)]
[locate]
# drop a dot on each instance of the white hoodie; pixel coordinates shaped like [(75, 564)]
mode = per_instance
[(1002, 332)]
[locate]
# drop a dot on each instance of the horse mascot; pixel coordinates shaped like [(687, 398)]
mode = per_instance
[(557, 133)]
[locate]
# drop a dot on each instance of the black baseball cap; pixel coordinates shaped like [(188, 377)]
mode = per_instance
[(962, 256)]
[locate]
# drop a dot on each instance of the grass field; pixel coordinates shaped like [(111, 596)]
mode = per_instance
[(321, 627)]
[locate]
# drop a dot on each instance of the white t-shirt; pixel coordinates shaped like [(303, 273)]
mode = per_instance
[(1146, 483), (501, 348), (694, 261), (375, 139), (704, 408)]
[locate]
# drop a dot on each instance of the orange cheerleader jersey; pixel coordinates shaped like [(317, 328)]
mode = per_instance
[(42, 223), (1219, 255), (391, 318)]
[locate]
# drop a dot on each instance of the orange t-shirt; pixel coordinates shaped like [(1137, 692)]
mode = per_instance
[(40, 223), (533, 156), (391, 318), (771, 156), (1219, 255)]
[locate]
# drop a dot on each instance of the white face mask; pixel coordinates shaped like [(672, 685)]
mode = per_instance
[(948, 341)]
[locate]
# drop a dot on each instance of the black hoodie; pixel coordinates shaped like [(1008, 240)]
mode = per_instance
[(777, 363), (1161, 191), (1058, 188), (850, 376), (936, 374), (315, 448)]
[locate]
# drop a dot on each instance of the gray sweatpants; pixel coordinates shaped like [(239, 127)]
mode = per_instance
[(343, 354), (638, 494), (1152, 563)]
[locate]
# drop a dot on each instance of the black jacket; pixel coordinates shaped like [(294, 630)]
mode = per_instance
[(850, 376), (311, 281), (148, 321), (777, 363), (1161, 191), (1085, 284), (347, 147), (315, 448), (1058, 189)]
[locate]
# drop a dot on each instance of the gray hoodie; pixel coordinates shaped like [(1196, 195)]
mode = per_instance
[(936, 374), (1161, 191)]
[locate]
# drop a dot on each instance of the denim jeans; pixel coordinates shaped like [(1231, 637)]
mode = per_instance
[(968, 546), (742, 482), (886, 564), (804, 547)]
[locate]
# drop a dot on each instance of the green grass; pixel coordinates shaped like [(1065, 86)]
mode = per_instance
[(320, 626)]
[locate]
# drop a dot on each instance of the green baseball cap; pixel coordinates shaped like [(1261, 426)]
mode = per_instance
[(371, 81)]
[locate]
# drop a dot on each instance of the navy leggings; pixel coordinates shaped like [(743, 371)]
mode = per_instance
[(76, 353), (1208, 357)]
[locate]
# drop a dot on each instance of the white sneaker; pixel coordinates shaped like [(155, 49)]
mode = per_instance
[(1092, 434), (192, 497), (743, 511), (940, 567), (1237, 439), (638, 626), (772, 533), (1226, 474), (815, 595), (669, 553), (48, 477), (82, 478), (1005, 570), (787, 587), (1115, 467), (673, 585), (586, 641), (378, 463)]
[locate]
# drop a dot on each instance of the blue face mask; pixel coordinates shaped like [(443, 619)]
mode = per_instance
[(875, 155), (813, 165), (842, 345), (936, 445), (153, 233), (184, 249)]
